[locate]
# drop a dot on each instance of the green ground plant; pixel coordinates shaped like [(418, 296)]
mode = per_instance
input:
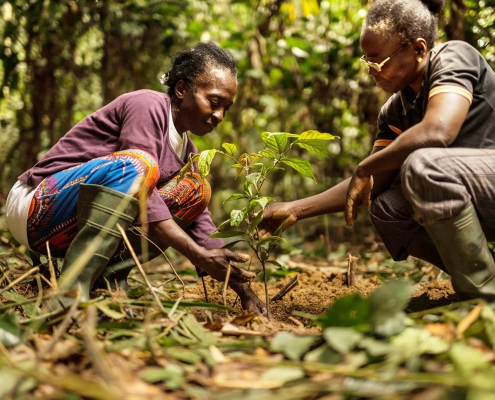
[(244, 220)]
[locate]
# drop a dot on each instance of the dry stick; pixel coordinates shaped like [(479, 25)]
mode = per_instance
[(351, 268), (266, 291), (224, 290), (140, 267), (100, 363), (68, 320), (205, 291), (21, 278), (166, 258), (286, 289), (53, 276)]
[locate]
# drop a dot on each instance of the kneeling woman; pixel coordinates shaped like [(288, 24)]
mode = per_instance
[(131, 149)]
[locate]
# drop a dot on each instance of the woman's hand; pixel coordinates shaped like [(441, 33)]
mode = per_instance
[(216, 263), (274, 215), (359, 188)]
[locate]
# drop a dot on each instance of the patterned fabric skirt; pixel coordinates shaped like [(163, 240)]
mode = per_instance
[(53, 212)]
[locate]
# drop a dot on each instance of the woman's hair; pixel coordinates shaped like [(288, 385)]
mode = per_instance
[(409, 19), (190, 64)]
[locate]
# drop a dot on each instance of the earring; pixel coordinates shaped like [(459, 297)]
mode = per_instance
[(419, 59)]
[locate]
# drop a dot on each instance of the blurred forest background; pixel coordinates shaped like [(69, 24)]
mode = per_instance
[(298, 66)]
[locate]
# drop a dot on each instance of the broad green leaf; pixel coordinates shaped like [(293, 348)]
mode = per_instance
[(314, 146), (30, 309), (315, 135), (350, 310), (233, 243), (204, 162), (236, 217), (236, 196), (291, 345), (276, 263), (255, 222), (108, 311), (10, 331), (342, 339), (282, 374), (14, 381), (227, 234), (270, 154), (253, 178), (263, 201), (276, 141), (323, 354), (300, 165), (387, 300), (230, 148)]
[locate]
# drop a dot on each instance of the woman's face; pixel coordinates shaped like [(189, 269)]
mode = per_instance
[(203, 106), (402, 67)]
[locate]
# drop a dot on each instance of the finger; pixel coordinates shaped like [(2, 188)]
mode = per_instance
[(239, 257), (241, 274), (348, 212)]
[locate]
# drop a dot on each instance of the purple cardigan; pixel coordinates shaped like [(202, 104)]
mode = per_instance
[(136, 120)]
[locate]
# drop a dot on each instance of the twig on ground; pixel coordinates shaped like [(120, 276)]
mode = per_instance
[(166, 259), (286, 289), (351, 269), (140, 267), (20, 279), (51, 268), (204, 289), (66, 322), (224, 290), (98, 359), (296, 322)]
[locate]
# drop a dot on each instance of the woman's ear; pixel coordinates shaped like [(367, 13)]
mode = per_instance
[(180, 89), (421, 48)]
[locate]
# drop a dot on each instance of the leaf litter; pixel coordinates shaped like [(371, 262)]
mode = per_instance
[(396, 332)]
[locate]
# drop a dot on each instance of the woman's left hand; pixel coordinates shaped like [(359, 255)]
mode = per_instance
[(359, 186)]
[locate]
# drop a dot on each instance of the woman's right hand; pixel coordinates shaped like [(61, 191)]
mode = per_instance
[(274, 216)]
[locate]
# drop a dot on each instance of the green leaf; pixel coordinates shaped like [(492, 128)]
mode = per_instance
[(315, 147), (488, 316), (342, 339), (108, 311), (282, 374), (10, 331), (255, 222), (270, 154), (253, 178), (30, 309), (204, 162), (236, 217), (387, 300), (315, 135), (300, 165), (350, 310), (276, 141), (233, 243), (230, 148), (276, 263), (235, 196), (227, 234), (292, 346)]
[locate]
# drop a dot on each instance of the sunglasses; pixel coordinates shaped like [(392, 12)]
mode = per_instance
[(378, 67)]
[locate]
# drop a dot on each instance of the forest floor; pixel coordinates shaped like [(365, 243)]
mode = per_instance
[(410, 342)]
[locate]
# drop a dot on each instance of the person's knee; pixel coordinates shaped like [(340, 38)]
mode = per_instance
[(422, 168)]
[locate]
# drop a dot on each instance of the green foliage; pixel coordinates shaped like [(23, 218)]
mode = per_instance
[(277, 147)]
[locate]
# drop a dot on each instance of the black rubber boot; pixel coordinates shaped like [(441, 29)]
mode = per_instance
[(462, 244), (99, 210)]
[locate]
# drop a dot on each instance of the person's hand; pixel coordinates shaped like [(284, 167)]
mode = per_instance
[(216, 263), (274, 215), (359, 186)]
